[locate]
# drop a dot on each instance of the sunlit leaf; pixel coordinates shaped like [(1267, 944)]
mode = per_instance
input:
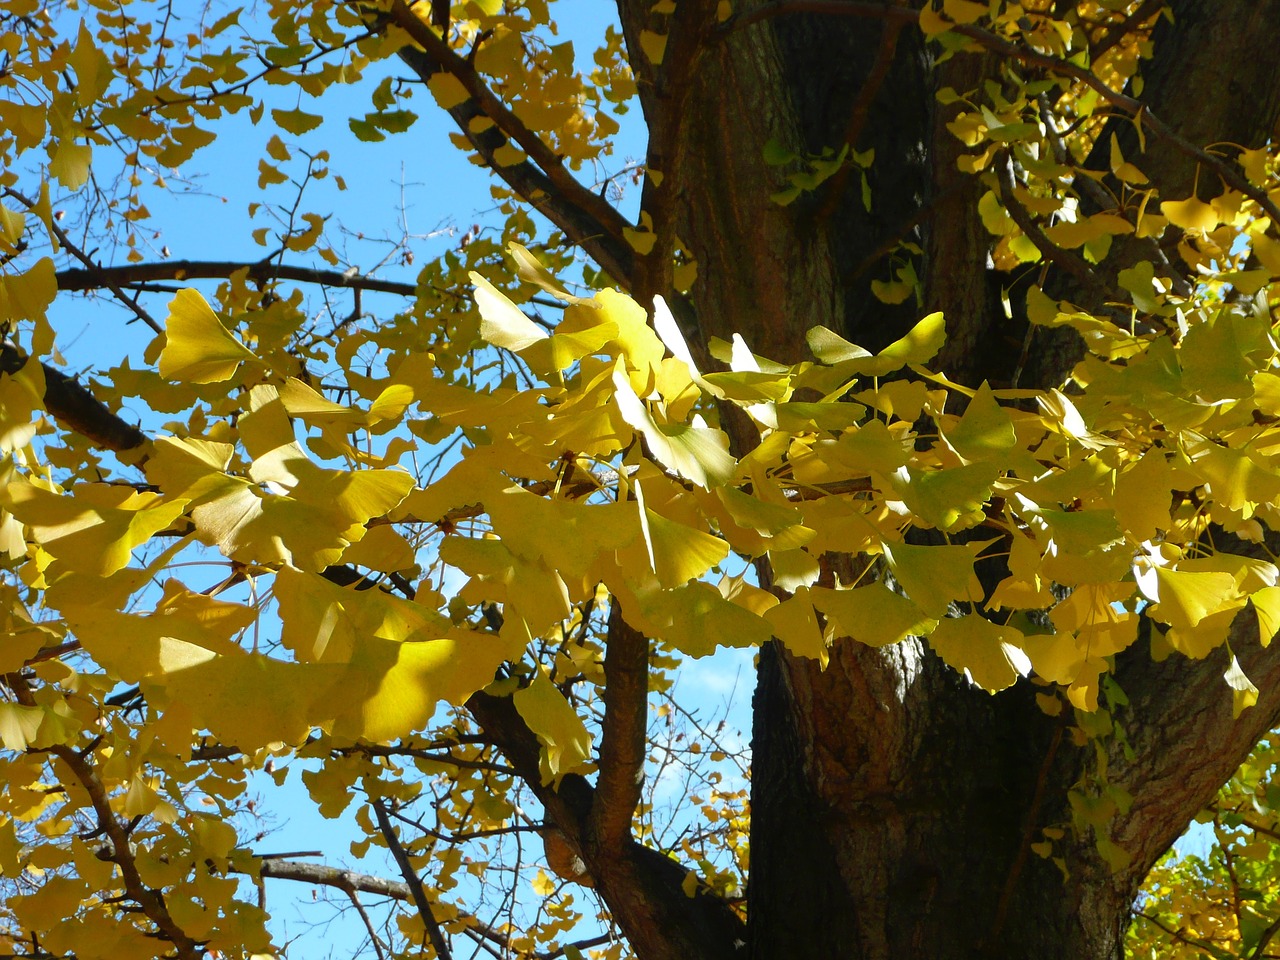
[(198, 348), (566, 744)]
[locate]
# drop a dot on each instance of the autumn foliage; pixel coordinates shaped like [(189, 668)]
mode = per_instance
[(444, 556)]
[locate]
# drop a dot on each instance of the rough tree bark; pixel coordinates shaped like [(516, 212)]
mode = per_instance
[(893, 805)]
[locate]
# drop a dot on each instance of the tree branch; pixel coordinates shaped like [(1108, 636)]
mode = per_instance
[(75, 408), (542, 180), (258, 271), (416, 892), (1073, 264), (623, 733), (130, 302), (643, 888), (135, 275)]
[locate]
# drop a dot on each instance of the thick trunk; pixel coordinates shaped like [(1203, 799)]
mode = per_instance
[(893, 805), (918, 798)]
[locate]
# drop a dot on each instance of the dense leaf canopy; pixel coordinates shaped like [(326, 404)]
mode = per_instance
[(439, 541)]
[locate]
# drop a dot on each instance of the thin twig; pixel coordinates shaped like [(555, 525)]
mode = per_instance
[(1028, 831), (131, 302), (368, 924)]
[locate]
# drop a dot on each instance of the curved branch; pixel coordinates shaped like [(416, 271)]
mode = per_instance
[(542, 180), (1181, 726), (643, 888)]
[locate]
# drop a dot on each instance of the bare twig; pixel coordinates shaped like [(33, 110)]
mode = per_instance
[(368, 923), (130, 302)]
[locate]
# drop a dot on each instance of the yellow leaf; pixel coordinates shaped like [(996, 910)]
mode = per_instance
[(990, 654), (198, 348), (251, 700), (321, 621), (1184, 598), (873, 614), (947, 499), (535, 594), (1142, 496), (392, 689), (641, 241), (21, 402), (306, 404), (934, 576), (1243, 692), (654, 45), (531, 271), (508, 155), (566, 744), (93, 70), (985, 431), (1190, 214), (69, 164), (1266, 605), (19, 725), (932, 23), (543, 884), (447, 89), (679, 553), (27, 296), (919, 346), (964, 11), (638, 344), (94, 529), (1122, 168), (699, 454), (795, 623), (501, 322), (696, 619), (295, 121)]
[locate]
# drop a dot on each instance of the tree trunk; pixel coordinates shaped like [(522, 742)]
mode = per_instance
[(893, 805)]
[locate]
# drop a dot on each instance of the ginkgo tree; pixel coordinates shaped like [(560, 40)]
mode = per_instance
[(938, 367)]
